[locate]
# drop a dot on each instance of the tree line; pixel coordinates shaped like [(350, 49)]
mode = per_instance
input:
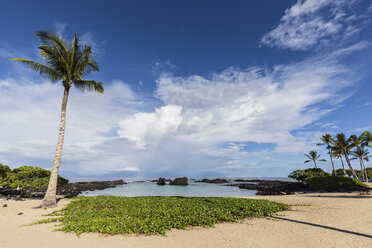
[(348, 148)]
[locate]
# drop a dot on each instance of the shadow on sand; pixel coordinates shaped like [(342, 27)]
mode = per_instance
[(343, 196), (322, 226)]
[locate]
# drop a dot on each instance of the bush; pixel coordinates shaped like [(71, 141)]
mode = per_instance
[(340, 172), (26, 177), (332, 182), (4, 170), (302, 175)]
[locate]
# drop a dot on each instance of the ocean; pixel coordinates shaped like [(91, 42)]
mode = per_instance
[(147, 188)]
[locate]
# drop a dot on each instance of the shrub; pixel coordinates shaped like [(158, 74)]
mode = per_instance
[(332, 182), (340, 172), (26, 177), (4, 170), (302, 175)]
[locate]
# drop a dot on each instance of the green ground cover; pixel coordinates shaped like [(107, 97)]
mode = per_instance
[(152, 215), (331, 182)]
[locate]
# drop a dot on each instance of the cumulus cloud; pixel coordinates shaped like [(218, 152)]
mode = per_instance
[(310, 23), (205, 126)]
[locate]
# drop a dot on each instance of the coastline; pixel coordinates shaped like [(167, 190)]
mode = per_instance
[(316, 220)]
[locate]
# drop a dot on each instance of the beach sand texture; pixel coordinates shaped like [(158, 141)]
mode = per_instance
[(318, 220)]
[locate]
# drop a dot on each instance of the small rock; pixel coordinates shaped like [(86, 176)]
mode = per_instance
[(5, 205), (20, 213)]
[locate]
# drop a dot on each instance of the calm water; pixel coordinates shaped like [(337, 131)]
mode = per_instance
[(146, 188)]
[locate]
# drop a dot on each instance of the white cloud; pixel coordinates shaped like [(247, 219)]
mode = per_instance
[(202, 127), (98, 47), (60, 28), (309, 23)]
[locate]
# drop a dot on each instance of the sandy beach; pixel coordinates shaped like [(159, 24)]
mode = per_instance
[(316, 220)]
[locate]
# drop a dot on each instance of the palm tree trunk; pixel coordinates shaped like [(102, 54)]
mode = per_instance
[(315, 164), (365, 171), (361, 169), (343, 166), (333, 165), (351, 168), (50, 198)]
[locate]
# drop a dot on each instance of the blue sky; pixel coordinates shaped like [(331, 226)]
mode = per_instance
[(194, 88)]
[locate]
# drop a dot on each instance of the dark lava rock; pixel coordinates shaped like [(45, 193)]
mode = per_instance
[(20, 213), (217, 180), (269, 187), (247, 181), (68, 190), (5, 205), (161, 181), (179, 181)]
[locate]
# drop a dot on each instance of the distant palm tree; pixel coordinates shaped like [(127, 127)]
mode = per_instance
[(327, 140), (342, 146), (362, 154), (339, 155), (68, 63), (313, 156), (367, 138)]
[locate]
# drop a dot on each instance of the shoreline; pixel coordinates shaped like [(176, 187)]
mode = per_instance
[(316, 220)]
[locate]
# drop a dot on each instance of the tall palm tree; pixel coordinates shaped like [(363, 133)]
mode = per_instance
[(66, 62), (362, 154), (342, 146), (313, 156), (327, 140), (339, 155)]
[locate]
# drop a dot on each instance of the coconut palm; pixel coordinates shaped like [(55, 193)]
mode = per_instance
[(313, 157), (66, 62), (362, 154), (327, 140), (342, 146), (367, 138), (339, 155)]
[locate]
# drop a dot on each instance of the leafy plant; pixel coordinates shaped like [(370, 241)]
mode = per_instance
[(151, 215), (302, 175), (26, 177)]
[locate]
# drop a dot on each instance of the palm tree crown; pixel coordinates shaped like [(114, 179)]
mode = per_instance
[(65, 61), (313, 157), (327, 140)]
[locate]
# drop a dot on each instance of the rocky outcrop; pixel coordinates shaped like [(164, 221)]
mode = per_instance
[(68, 190), (268, 187), (161, 181), (217, 180), (179, 181)]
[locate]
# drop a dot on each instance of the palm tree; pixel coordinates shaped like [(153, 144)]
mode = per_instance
[(367, 138), (327, 140), (339, 155), (313, 156), (342, 146), (66, 62), (362, 154)]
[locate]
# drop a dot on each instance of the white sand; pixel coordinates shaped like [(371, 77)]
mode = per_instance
[(349, 214)]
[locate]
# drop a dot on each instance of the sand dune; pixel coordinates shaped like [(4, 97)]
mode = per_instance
[(318, 220)]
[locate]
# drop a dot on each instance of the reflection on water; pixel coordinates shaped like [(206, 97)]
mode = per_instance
[(146, 188)]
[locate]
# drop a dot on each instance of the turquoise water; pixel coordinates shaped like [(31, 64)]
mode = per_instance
[(193, 189)]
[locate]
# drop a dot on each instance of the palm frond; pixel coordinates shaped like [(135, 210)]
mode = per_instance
[(89, 85), (44, 70), (307, 161)]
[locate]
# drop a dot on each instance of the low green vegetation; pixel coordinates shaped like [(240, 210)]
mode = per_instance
[(332, 182), (302, 175), (26, 177), (152, 215), (340, 172)]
